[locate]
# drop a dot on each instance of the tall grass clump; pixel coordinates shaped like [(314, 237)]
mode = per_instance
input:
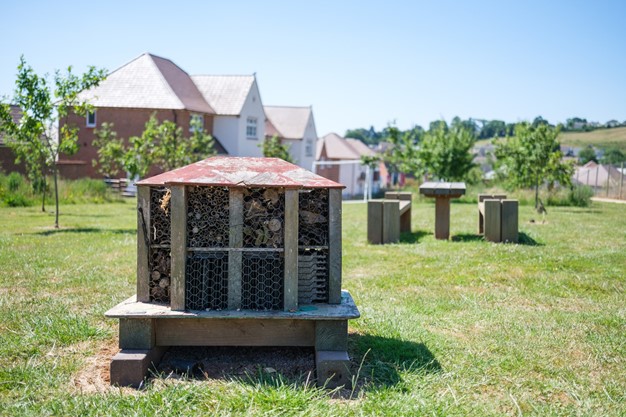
[(17, 191)]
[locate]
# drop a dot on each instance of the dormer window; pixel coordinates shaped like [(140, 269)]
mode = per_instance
[(251, 123), (91, 119)]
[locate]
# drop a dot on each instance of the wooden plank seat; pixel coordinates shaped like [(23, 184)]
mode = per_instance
[(498, 218), (388, 217)]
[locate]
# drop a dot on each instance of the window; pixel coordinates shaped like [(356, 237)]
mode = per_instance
[(196, 123), (251, 128), (91, 119), (308, 148)]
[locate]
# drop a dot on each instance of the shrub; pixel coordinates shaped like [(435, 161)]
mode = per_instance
[(14, 181), (580, 195)]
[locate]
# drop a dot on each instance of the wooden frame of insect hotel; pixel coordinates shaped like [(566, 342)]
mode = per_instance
[(236, 252)]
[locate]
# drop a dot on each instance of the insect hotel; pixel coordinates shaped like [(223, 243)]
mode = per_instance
[(236, 252)]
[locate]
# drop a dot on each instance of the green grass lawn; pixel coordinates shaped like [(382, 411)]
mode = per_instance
[(460, 327)]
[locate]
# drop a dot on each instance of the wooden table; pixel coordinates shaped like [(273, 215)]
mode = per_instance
[(442, 192)]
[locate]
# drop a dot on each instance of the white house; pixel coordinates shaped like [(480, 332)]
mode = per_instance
[(295, 127), (239, 121), (339, 159)]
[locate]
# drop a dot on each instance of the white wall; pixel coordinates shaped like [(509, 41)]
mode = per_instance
[(310, 134), (349, 176), (226, 129), (252, 107)]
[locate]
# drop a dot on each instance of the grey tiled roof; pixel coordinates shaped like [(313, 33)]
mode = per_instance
[(339, 148), (148, 82), (225, 93), (289, 122)]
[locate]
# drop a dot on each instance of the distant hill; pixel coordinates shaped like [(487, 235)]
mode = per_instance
[(600, 138)]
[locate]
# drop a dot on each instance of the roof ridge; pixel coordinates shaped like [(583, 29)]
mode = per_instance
[(290, 107), (169, 86), (222, 75)]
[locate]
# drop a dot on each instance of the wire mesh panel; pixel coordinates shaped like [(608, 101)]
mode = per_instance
[(159, 240), (262, 284), (313, 217), (263, 217), (160, 267), (207, 217), (312, 276), (206, 285)]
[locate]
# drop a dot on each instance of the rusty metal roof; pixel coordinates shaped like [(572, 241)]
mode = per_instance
[(230, 171)]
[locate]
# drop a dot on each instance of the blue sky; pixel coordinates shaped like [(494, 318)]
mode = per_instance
[(358, 63)]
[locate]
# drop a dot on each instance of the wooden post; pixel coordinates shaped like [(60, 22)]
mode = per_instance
[(136, 333), (334, 246), (143, 248), (375, 221), (492, 220), (331, 335), (509, 229), (291, 250), (621, 181), (442, 217), (391, 221), (235, 239), (178, 207)]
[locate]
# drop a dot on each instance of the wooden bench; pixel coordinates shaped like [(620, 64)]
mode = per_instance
[(498, 218), (388, 217)]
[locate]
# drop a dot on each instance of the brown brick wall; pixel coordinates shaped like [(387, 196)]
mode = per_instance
[(7, 161), (127, 123)]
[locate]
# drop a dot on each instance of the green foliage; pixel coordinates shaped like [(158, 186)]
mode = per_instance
[(110, 150), (141, 155), (402, 155), (587, 154), (532, 157), (32, 139), (14, 181), (162, 144), (170, 148), (580, 195), (273, 148), (613, 156), (445, 152), (201, 144), (17, 191)]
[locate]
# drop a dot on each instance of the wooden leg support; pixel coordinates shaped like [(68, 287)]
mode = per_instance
[(331, 356), (333, 368), (442, 218), (130, 367)]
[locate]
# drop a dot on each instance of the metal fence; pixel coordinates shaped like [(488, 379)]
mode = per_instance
[(605, 180)]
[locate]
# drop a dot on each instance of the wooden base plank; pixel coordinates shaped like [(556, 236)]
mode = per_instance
[(235, 332)]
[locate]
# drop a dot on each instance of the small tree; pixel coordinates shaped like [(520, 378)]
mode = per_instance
[(159, 144), (445, 153), (532, 157), (140, 154), (613, 156), (201, 144), (35, 140), (587, 154), (110, 150), (171, 149), (272, 148)]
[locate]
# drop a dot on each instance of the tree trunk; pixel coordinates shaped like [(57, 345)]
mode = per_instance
[(537, 193), (44, 186), (56, 195)]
